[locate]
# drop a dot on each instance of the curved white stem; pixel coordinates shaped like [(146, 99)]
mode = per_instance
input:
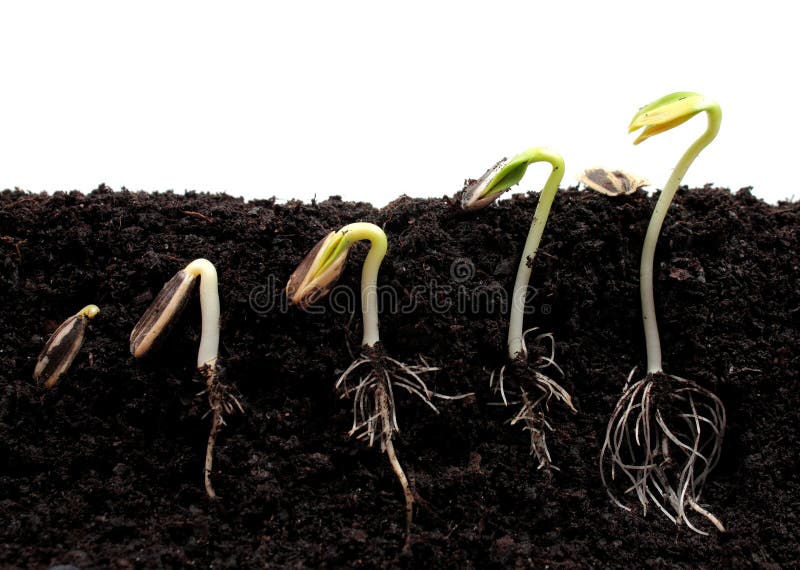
[(369, 274), (209, 309)]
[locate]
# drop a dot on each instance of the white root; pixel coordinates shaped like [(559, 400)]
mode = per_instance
[(532, 410), (374, 408), (664, 438), (221, 402)]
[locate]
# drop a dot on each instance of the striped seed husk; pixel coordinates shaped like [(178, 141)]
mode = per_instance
[(156, 322), (60, 350)]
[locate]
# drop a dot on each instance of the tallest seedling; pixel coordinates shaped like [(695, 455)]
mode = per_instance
[(665, 435)]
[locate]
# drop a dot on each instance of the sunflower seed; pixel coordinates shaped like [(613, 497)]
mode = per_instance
[(158, 319), (59, 352)]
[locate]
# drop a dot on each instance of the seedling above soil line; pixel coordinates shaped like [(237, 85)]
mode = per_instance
[(374, 408), (156, 323), (62, 347), (501, 177), (665, 434)]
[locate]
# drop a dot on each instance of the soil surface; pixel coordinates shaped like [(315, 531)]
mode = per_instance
[(105, 470)]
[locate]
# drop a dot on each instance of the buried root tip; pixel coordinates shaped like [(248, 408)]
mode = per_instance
[(221, 402), (533, 418), (664, 438), (371, 381)]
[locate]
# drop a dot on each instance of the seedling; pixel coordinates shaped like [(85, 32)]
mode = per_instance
[(665, 434), (62, 347), (501, 177), (374, 408), (612, 182), (158, 319)]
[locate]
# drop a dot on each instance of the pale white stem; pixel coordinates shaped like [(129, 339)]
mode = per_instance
[(369, 275), (209, 309)]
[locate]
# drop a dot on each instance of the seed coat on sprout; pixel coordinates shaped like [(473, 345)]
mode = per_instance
[(155, 324), (481, 193), (374, 408)]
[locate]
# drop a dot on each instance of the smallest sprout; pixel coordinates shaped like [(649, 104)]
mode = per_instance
[(59, 352)]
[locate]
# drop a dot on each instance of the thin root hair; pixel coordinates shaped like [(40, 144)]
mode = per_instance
[(374, 408), (532, 412), (221, 401), (664, 437), (542, 381), (388, 373)]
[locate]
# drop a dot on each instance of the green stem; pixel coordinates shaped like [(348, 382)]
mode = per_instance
[(652, 341), (516, 347), (369, 274)]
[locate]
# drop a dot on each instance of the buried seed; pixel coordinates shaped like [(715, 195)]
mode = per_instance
[(62, 347), (157, 321), (159, 318)]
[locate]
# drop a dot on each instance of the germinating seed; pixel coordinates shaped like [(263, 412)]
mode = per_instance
[(157, 320), (62, 347)]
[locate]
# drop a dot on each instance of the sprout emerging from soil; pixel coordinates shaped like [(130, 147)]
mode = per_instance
[(373, 393), (155, 324), (501, 177), (59, 352), (665, 434)]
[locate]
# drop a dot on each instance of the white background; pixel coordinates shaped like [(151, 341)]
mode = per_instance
[(371, 100)]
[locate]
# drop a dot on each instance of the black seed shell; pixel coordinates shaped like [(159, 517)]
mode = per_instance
[(156, 322), (60, 350)]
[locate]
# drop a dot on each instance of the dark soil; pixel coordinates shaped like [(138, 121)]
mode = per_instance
[(105, 471)]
